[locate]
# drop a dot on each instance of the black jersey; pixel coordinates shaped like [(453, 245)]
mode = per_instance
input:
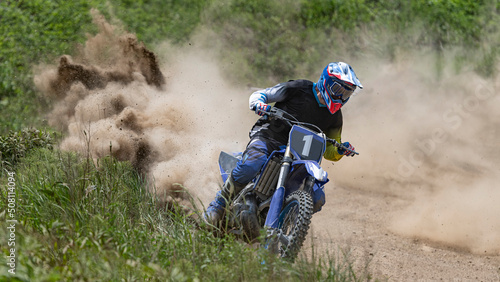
[(297, 98)]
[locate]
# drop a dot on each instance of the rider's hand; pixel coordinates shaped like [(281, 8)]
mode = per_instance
[(349, 153), (262, 108)]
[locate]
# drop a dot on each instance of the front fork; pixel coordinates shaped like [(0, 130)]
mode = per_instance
[(279, 195), (275, 235)]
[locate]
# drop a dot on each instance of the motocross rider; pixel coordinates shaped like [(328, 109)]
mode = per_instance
[(317, 103)]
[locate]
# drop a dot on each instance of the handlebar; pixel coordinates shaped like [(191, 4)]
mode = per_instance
[(280, 114)]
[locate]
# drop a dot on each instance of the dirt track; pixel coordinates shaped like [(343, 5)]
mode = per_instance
[(356, 220)]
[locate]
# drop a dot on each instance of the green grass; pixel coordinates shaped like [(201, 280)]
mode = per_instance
[(33, 32), (17, 144), (83, 221)]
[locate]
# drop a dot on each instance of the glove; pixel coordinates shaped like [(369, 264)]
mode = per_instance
[(262, 108), (346, 152)]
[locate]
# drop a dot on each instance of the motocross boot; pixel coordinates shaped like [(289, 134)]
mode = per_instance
[(215, 210), (271, 241)]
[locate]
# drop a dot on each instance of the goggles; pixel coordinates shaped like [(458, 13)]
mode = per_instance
[(339, 91)]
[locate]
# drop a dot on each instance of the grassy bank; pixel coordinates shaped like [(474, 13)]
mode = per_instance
[(77, 220)]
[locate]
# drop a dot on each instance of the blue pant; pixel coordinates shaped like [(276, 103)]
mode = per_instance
[(255, 156)]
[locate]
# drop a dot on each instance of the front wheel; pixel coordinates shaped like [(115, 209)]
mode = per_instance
[(293, 223)]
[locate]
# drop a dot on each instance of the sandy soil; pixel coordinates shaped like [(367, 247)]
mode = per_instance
[(356, 221)]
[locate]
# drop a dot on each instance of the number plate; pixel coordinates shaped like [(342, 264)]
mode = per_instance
[(306, 144)]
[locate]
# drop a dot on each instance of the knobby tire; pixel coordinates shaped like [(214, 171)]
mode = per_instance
[(295, 219)]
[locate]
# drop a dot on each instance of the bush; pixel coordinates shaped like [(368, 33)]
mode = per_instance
[(16, 145)]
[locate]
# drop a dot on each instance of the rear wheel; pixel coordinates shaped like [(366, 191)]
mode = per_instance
[(293, 222)]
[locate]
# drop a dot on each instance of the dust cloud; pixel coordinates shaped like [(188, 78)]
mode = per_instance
[(170, 122), (432, 142)]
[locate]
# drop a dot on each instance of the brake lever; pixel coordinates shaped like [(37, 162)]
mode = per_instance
[(338, 145), (278, 114), (275, 112)]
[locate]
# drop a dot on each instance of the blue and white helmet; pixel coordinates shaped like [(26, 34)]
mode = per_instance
[(336, 85)]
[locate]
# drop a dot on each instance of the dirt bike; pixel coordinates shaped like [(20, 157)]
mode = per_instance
[(280, 198)]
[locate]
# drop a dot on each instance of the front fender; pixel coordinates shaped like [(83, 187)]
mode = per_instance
[(313, 169), (301, 170)]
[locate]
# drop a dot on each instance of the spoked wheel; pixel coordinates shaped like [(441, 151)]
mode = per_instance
[(293, 224)]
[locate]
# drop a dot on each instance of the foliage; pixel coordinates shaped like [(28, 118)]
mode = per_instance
[(159, 20), (279, 40), (344, 15), (444, 22), (266, 34), (265, 41), (32, 32), (16, 145), (37, 31)]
